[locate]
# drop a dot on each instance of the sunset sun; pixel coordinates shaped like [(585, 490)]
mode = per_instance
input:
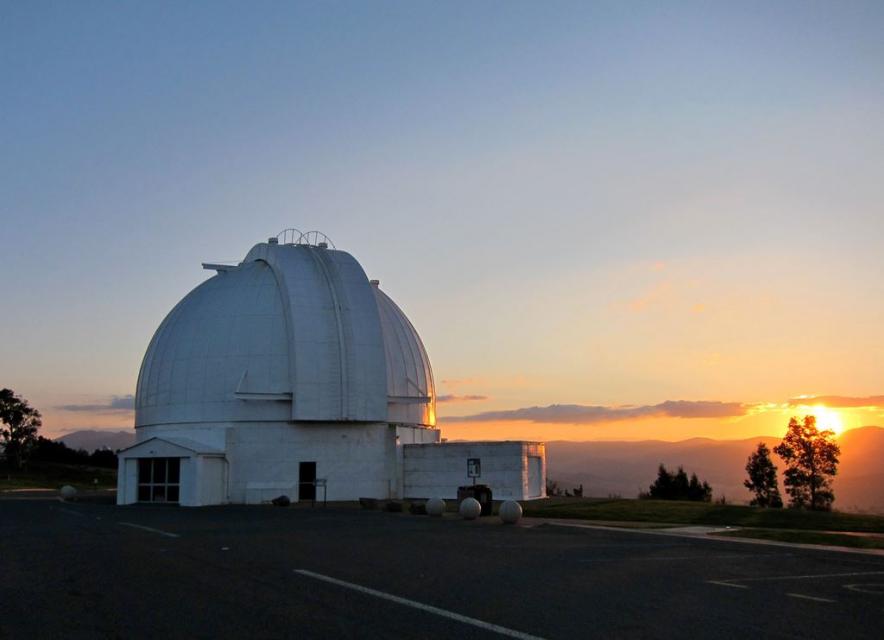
[(826, 418)]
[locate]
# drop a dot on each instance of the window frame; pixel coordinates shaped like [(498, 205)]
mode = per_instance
[(158, 492)]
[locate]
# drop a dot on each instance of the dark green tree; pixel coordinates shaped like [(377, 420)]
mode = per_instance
[(662, 489), (677, 486), (19, 423), (699, 491), (762, 480), (811, 458), (553, 489)]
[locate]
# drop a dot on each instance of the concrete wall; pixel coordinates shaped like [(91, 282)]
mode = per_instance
[(127, 480), (437, 470), (211, 480), (265, 458), (262, 459), (376, 460)]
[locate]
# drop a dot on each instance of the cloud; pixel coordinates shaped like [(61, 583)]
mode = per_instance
[(584, 414), (838, 401), (450, 397), (117, 404), (460, 382)]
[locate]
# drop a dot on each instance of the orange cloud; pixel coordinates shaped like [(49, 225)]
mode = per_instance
[(584, 414), (839, 401), (448, 397)]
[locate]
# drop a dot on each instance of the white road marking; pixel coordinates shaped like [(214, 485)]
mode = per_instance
[(813, 598), (696, 557), (151, 529), (419, 605), (809, 577), (71, 512), (877, 589), (727, 584)]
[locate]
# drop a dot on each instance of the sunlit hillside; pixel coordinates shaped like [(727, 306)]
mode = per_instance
[(625, 468)]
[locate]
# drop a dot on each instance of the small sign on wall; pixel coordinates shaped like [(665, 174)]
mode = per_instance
[(474, 467)]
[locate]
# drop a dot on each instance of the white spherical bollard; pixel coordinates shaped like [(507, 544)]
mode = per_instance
[(435, 507), (68, 492), (510, 512), (470, 509)]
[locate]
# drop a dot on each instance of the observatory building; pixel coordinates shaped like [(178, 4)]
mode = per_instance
[(291, 373)]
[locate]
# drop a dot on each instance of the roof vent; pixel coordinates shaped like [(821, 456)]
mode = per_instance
[(323, 245), (375, 283), (273, 240)]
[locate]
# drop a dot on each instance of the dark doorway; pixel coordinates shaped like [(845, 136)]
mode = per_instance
[(307, 481)]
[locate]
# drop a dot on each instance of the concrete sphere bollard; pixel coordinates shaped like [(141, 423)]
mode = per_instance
[(470, 509), (68, 492), (510, 512), (435, 507)]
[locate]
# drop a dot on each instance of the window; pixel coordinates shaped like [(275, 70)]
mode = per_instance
[(159, 479)]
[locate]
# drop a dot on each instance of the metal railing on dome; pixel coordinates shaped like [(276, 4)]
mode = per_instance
[(304, 238)]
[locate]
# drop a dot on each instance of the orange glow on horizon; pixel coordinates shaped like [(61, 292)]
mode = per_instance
[(826, 418), (770, 420)]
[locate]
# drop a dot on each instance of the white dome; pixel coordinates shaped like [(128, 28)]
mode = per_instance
[(294, 333)]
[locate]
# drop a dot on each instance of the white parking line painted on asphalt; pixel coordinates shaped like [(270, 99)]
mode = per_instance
[(696, 557), (721, 583), (801, 596), (421, 606), (709, 538), (151, 529), (71, 512), (808, 577), (875, 588), (732, 582)]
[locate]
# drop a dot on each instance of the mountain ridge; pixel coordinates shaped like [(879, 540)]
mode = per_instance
[(624, 468)]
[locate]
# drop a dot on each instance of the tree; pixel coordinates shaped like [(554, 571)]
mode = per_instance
[(697, 491), (552, 489), (762, 479), (20, 423), (676, 486), (811, 458)]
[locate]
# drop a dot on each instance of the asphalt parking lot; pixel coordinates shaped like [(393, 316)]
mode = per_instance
[(79, 570)]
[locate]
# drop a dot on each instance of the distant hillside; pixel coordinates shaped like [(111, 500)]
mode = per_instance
[(625, 468), (93, 439)]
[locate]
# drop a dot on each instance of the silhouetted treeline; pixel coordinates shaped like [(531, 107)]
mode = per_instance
[(46, 450), (677, 486)]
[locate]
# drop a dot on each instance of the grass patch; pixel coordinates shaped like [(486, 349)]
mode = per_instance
[(808, 537), (699, 513), (50, 475)]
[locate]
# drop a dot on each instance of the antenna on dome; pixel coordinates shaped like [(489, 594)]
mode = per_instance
[(316, 239), (289, 236), (304, 239)]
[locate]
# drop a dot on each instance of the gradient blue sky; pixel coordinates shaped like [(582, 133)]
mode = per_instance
[(590, 203)]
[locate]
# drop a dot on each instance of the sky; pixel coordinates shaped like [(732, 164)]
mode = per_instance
[(607, 220)]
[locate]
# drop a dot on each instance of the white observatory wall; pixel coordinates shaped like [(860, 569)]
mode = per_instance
[(127, 480), (354, 459), (212, 475), (513, 470), (262, 459)]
